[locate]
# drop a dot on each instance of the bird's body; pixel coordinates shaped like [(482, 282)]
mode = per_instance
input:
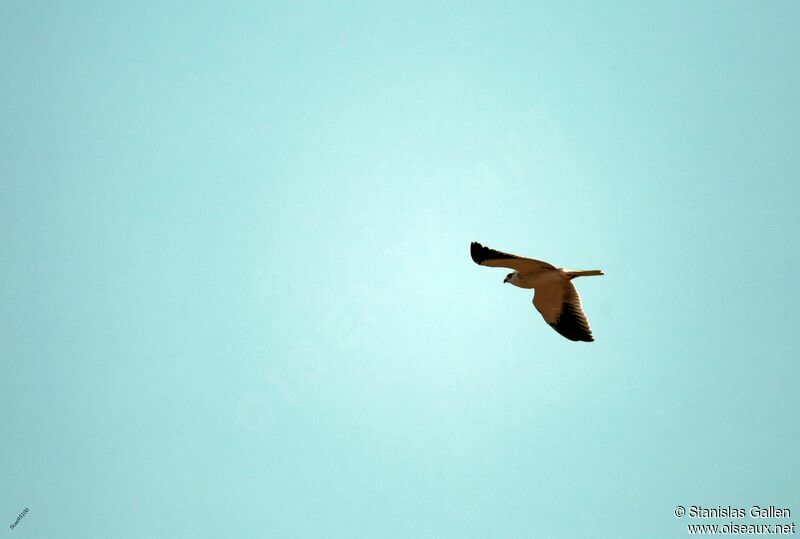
[(532, 279), (545, 277), (554, 297)]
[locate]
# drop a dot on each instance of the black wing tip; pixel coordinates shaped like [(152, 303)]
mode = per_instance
[(572, 326), (475, 251), (481, 253), (571, 334)]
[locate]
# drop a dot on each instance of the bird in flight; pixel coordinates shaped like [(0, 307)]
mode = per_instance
[(554, 295)]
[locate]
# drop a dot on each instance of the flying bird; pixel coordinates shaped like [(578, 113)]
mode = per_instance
[(554, 295)]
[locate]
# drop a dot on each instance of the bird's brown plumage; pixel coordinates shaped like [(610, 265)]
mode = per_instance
[(555, 297)]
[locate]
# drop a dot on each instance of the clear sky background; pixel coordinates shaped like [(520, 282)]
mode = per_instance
[(236, 297)]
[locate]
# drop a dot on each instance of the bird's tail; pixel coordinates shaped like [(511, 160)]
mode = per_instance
[(582, 273)]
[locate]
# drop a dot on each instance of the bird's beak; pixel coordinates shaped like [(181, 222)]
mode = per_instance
[(505, 280)]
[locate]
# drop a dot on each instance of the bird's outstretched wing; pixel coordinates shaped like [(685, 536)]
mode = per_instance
[(560, 306), (489, 257)]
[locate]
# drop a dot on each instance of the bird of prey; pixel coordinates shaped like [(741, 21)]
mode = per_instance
[(554, 295)]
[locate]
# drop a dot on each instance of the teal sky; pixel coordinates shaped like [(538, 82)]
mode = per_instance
[(236, 297)]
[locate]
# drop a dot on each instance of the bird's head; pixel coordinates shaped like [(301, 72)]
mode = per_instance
[(508, 278)]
